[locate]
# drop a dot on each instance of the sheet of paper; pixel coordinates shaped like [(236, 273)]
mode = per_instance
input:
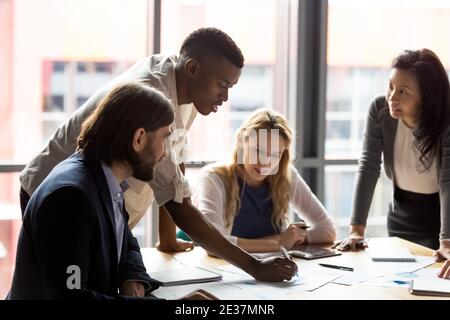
[(231, 287), (402, 278), (430, 273), (310, 278), (355, 277), (220, 290), (395, 273), (343, 277), (396, 280), (232, 269)]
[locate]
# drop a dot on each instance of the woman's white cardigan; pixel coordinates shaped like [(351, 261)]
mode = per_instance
[(209, 198)]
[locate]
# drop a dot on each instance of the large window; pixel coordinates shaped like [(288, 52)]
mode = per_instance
[(66, 85), (263, 43), (53, 56), (262, 37), (9, 229), (363, 38), (339, 186)]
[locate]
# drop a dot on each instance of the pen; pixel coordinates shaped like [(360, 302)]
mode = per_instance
[(285, 253), (287, 256), (335, 267), (302, 226)]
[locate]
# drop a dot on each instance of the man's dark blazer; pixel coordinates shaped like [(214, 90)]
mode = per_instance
[(69, 221)]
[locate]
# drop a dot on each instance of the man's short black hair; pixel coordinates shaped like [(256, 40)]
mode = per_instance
[(212, 41)]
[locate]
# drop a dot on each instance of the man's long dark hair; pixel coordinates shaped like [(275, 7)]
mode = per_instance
[(108, 132), (434, 85)]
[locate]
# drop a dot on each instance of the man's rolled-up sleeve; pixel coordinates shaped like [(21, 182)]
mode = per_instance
[(169, 183)]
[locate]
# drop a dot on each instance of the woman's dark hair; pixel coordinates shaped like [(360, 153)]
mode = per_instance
[(108, 131), (434, 85)]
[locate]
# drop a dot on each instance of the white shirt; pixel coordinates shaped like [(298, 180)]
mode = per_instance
[(210, 199), (168, 183), (410, 174)]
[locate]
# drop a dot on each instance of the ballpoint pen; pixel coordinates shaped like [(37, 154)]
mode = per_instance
[(302, 226), (335, 267), (287, 256)]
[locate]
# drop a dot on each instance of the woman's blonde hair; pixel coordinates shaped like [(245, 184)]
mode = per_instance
[(279, 183)]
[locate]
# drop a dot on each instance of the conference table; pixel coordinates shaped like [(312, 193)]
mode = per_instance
[(155, 260)]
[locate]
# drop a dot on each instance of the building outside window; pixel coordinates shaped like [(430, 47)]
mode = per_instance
[(360, 51)]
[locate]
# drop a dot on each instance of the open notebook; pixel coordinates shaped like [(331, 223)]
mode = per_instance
[(184, 276), (385, 250)]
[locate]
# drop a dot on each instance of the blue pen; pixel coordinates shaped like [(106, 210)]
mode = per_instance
[(288, 256)]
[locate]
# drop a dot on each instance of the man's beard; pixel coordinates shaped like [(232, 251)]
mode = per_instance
[(143, 169), (144, 172)]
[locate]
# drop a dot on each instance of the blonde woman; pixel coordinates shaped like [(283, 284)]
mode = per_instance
[(248, 199)]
